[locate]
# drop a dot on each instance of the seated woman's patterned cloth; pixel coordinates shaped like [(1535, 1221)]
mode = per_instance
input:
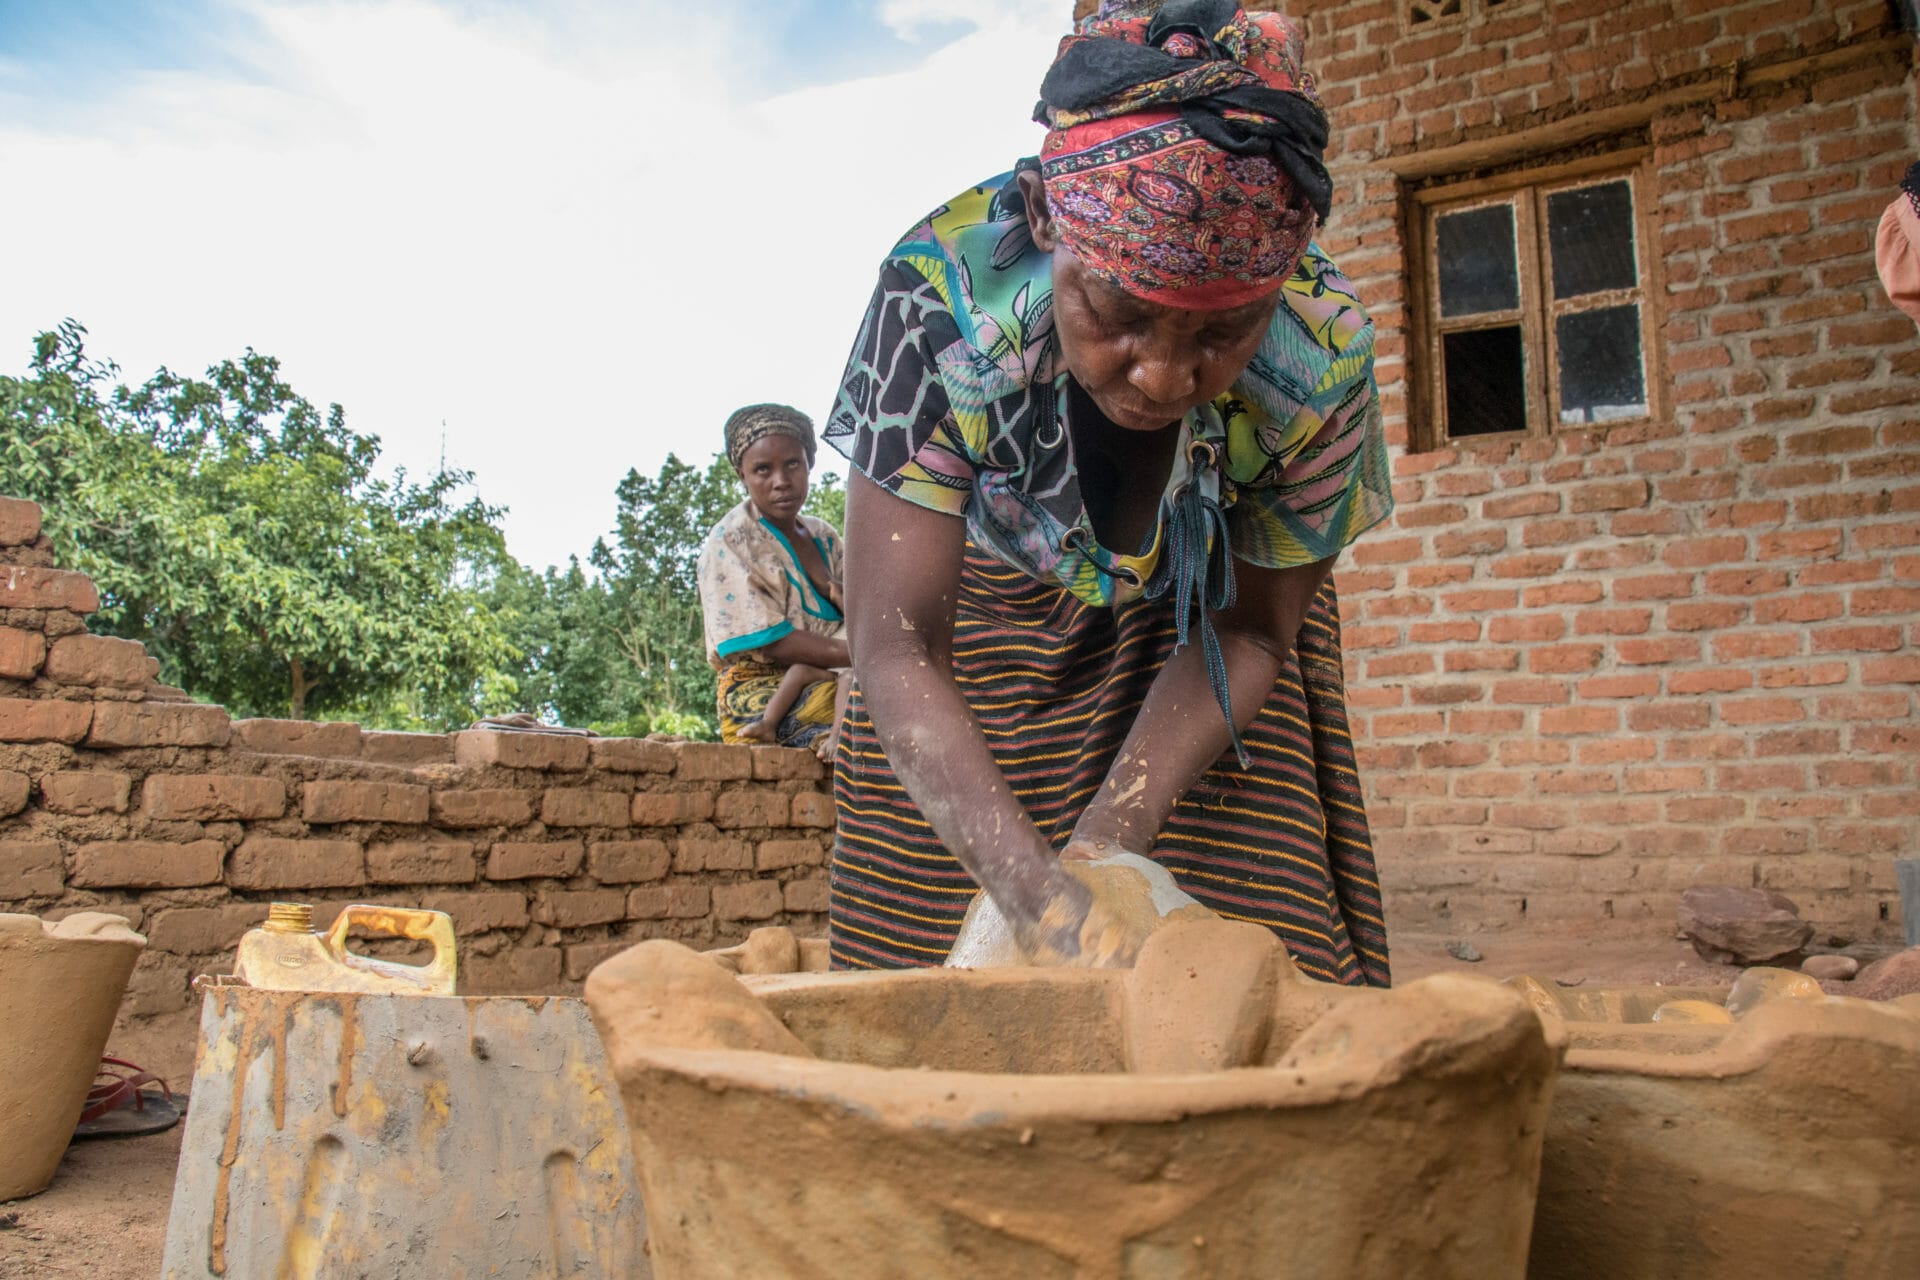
[(753, 592)]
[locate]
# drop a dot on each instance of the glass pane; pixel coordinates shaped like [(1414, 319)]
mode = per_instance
[(1600, 374), (1486, 382), (1478, 271), (1590, 232)]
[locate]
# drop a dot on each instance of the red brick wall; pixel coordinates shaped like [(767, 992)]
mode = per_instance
[(1594, 667), (549, 852)]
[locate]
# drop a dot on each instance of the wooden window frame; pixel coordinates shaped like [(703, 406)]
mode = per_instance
[(1538, 309)]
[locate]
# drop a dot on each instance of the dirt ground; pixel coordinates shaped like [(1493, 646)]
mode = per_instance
[(105, 1217)]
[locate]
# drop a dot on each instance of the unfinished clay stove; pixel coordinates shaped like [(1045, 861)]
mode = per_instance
[(60, 986), (1208, 1113), (1777, 1140)]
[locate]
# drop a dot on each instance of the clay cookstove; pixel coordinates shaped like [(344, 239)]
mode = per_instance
[(1208, 1113)]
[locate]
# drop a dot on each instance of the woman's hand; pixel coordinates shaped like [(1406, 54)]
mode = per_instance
[(1073, 928)]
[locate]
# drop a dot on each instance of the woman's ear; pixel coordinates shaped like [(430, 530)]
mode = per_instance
[(1039, 218)]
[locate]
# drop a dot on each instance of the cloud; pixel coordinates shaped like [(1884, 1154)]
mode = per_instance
[(577, 234)]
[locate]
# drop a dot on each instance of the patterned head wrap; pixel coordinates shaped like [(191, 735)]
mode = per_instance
[(1183, 160), (758, 421)]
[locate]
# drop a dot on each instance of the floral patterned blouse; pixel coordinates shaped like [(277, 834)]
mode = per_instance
[(954, 399), (753, 590)]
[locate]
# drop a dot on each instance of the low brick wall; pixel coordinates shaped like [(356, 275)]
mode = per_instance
[(550, 852)]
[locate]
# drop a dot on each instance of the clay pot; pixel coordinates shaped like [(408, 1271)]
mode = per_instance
[(1208, 1113), (60, 986), (1778, 1143)]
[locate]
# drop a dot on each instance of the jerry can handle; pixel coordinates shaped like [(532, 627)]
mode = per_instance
[(432, 927)]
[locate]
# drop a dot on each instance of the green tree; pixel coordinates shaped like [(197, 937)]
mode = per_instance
[(243, 535)]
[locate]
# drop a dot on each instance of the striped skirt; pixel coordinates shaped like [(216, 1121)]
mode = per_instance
[(1055, 684)]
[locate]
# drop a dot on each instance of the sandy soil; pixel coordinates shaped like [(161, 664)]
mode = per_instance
[(105, 1217)]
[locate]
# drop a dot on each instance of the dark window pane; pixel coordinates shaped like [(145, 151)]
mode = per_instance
[(1477, 265), (1486, 382), (1590, 232), (1600, 375)]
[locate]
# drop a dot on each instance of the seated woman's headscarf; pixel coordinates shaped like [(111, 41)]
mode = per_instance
[(758, 421), (1183, 159)]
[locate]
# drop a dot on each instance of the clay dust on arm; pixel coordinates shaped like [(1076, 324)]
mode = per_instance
[(903, 577), (1179, 732)]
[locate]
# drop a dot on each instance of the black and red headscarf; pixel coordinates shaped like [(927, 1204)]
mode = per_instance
[(1183, 159)]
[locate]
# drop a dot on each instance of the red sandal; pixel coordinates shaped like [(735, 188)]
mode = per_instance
[(119, 1106)]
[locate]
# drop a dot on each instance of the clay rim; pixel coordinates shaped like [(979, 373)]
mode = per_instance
[(1748, 1044), (1491, 1029)]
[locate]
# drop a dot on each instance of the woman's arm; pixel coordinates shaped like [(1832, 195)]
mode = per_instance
[(808, 648), (1180, 732), (903, 577)]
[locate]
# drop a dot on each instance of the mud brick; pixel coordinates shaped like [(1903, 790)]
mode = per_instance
[(499, 807), (147, 864), (575, 908), (669, 902), (480, 912), (711, 762), (627, 861), (30, 869), (389, 747), (159, 724), (631, 755), (750, 808), (813, 809), (515, 971), (777, 855), (85, 792), (347, 801), (299, 738), (25, 587), (776, 764), (524, 860), (555, 751), (713, 855), (21, 653), (268, 862), (581, 807), (806, 895), (19, 522), (213, 797), (584, 957), (671, 809), (100, 660), (751, 900), (200, 931), (27, 720), (15, 790), (421, 862)]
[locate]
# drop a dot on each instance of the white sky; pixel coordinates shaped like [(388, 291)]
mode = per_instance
[(579, 233)]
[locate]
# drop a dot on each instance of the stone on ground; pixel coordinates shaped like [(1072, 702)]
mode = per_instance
[(1898, 975), (1728, 924)]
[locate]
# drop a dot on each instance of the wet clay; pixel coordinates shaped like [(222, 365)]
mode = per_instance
[(1777, 1140), (60, 987), (774, 949), (1125, 914), (966, 1123)]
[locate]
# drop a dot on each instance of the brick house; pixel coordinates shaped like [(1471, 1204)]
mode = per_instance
[(1646, 614)]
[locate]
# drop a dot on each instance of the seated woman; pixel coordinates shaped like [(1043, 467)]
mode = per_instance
[(770, 590)]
